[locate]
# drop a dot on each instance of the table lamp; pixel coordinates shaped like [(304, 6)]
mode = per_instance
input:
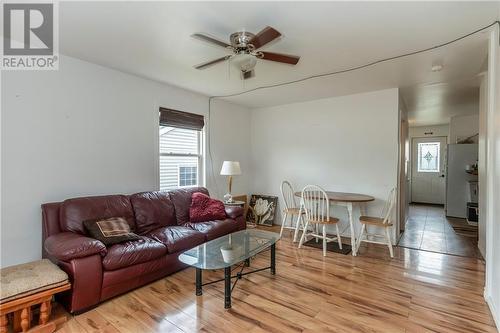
[(230, 168)]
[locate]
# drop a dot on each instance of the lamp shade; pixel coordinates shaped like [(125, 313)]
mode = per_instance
[(230, 168)]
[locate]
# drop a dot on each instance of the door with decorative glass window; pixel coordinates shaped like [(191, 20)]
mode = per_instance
[(428, 173)]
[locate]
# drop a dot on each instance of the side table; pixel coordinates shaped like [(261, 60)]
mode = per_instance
[(26, 287)]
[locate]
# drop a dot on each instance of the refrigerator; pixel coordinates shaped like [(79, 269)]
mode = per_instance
[(457, 179)]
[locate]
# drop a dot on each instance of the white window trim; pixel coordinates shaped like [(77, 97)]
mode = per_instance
[(200, 156)]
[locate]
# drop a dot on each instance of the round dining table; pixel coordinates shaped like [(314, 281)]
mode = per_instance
[(348, 200)]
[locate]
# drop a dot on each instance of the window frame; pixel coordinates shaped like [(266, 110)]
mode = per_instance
[(186, 165), (200, 158), (438, 157)]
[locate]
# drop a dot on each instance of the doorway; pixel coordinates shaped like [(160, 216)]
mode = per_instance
[(429, 229), (428, 171)]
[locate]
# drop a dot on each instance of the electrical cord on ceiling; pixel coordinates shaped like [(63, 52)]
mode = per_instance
[(373, 63)]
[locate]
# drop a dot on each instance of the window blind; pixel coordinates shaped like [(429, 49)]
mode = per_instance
[(180, 119)]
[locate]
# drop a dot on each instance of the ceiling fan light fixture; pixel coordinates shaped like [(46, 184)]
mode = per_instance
[(244, 62)]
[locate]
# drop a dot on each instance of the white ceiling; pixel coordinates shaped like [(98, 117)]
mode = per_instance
[(433, 104), (152, 39)]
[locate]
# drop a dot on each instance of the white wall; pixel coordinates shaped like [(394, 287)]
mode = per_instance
[(462, 127), (90, 130), (230, 141), (347, 143), (492, 289), (404, 163), (483, 111)]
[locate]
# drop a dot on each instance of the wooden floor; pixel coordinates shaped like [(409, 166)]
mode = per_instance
[(429, 229), (417, 291)]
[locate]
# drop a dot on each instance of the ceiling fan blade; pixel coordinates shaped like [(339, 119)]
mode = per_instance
[(288, 59), (264, 36), (211, 63), (247, 75), (210, 39)]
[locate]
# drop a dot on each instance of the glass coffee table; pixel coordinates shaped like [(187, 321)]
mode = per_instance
[(229, 250)]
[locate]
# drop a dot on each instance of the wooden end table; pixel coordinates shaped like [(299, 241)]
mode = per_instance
[(18, 308)]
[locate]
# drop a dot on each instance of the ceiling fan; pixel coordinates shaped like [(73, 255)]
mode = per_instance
[(244, 46)]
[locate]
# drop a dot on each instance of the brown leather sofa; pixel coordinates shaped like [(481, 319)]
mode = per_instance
[(98, 273)]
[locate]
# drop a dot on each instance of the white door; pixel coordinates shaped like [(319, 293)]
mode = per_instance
[(428, 172)]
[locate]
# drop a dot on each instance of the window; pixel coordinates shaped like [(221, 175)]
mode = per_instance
[(181, 153), (188, 175), (428, 156)]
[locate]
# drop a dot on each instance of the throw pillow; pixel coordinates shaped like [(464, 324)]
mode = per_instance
[(203, 208), (110, 231)]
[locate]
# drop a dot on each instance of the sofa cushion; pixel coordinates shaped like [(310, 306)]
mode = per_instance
[(214, 229), (203, 208), (73, 212), (181, 198), (152, 210), (110, 231), (177, 238), (132, 253)]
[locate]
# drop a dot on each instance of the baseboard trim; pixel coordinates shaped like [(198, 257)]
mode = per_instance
[(493, 310)]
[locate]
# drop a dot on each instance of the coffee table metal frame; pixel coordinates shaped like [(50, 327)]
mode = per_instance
[(228, 289), (245, 255)]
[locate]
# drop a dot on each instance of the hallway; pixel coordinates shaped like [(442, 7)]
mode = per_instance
[(429, 229)]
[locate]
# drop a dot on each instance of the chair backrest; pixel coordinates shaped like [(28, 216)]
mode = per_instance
[(316, 203), (389, 206), (288, 195)]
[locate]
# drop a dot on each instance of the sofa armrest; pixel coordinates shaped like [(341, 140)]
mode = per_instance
[(65, 246), (234, 212)]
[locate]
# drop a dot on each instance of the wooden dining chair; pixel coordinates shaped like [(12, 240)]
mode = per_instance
[(384, 222), (317, 208), (291, 209)]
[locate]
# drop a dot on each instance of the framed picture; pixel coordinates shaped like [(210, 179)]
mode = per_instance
[(262, 209)]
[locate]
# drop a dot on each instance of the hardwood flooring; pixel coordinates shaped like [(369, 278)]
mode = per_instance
[(429, 229), (417, 291)]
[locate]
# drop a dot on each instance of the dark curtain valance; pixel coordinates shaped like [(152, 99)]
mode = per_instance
[(174, 118)]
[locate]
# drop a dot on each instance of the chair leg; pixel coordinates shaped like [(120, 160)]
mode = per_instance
[(283, 223), (338, 236), (303, 235), (389, 244), (317, 232), (324, 240), (300, 222), (360, 238)]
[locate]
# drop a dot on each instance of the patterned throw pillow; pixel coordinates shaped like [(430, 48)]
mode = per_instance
[(203, 208), (110, 231)]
